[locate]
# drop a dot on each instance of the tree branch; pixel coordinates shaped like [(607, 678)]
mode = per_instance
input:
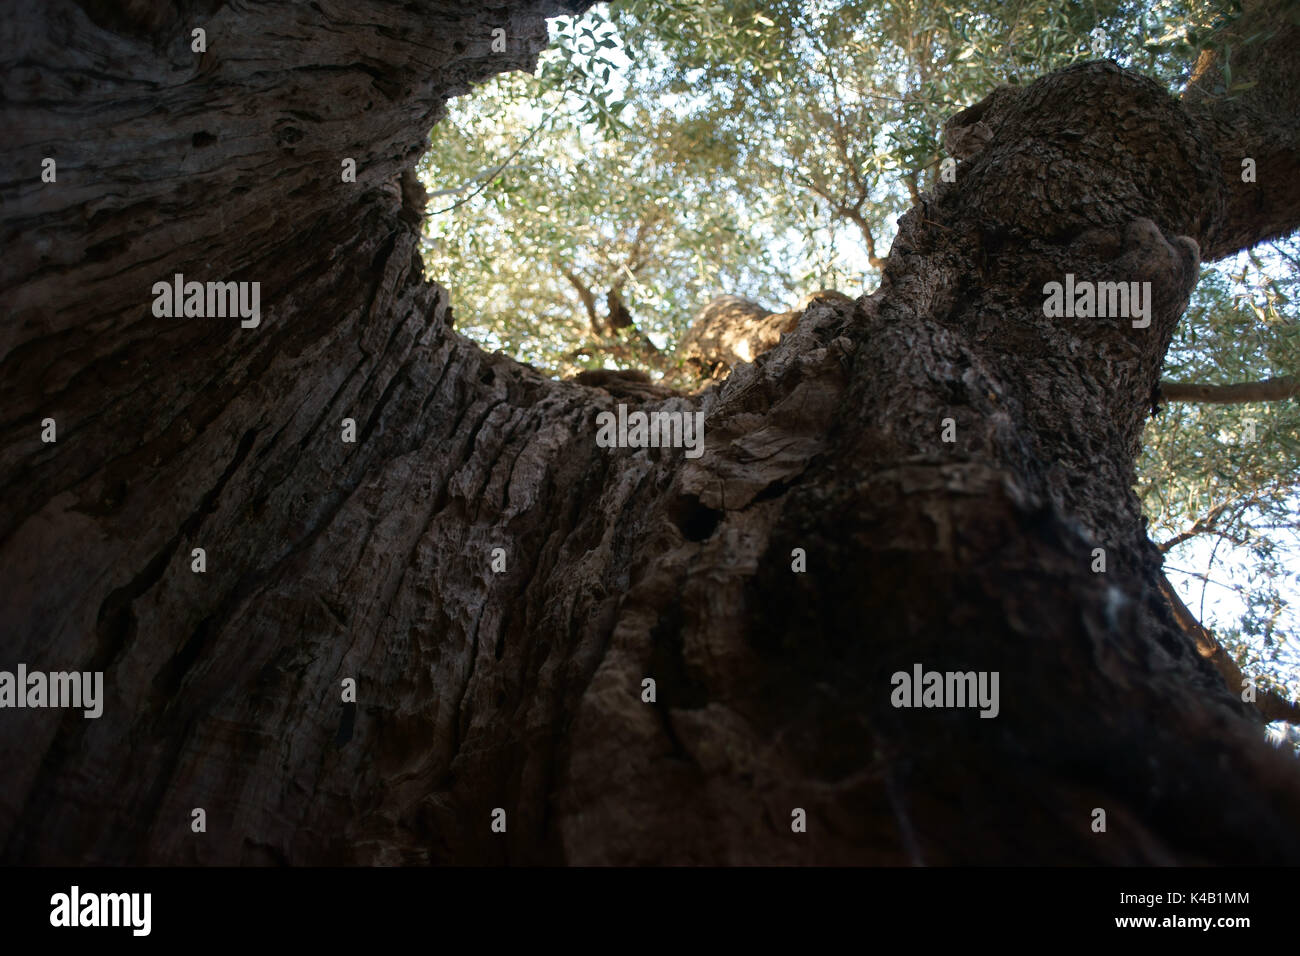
[(1269, 390), (1257, 118), (638, 253), (855, 216), (492, 174), (585, 294), (910, 181), (1271, 706), (1208, 523)]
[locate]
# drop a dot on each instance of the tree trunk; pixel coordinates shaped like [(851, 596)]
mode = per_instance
[(521, 688)]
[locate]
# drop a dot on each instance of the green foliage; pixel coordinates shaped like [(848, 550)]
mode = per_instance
[(1202, 474), (673, 150), (592, 188)]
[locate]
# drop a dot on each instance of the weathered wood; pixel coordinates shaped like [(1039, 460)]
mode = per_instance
[(522, 689)]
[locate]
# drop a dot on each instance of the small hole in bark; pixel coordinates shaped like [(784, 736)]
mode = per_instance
[(116, 627), (696, 520), (173, 673), (202, 139), (286, 136), (346, 724), (775, 490), (114, 494), (103, 251)]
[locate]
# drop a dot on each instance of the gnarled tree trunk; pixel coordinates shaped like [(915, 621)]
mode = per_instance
[(521, 689)]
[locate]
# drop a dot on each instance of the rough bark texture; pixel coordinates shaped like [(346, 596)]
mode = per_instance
[(522, 689), (1256, 118)]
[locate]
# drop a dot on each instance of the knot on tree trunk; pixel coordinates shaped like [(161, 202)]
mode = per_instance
[(1090, 145), (730, 330)]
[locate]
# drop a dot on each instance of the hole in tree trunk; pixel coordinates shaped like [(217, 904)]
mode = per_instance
[(696, 520)]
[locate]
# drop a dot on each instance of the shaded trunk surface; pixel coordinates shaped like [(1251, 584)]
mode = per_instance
[(521, 688)]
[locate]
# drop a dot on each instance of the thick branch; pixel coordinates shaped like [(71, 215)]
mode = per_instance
[(1257, 119), (1269, 390), (619, 316), (1271, 706)]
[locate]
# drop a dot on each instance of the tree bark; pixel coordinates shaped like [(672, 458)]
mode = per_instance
[(521, 688)]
